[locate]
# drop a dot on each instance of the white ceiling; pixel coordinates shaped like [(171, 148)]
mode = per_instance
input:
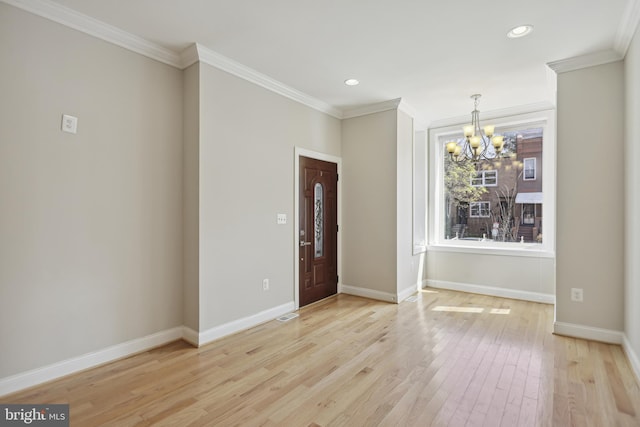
[(433, 54)]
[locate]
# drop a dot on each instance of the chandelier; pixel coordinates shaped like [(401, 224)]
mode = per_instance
[(475, 146)]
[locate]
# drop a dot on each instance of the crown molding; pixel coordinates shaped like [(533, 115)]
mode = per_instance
[(392, 104), (419, 123), (189, 56), (584, 61), (495, 114), (377, 107), (628, 27), (86, 24), (223, 63)]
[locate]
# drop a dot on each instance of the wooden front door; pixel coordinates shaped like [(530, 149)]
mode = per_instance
[(318, 234)]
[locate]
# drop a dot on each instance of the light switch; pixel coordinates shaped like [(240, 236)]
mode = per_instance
[(282, 219), (69, 123)]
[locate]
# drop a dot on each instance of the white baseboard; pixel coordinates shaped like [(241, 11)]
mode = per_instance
[(237, 325), (379, 295), (190, 336), (89, 360), (407, 292), (493, 291), (369, 293), (588, 332), (634, 360)]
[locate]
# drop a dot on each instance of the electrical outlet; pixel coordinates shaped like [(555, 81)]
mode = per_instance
[(265, 284), (69, 123), (577, 294)]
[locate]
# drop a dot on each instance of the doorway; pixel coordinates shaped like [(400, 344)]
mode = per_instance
[(317, 230)]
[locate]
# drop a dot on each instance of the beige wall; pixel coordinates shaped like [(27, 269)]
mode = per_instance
[(632, 196), (191, 196), (378, 206), (369, 199), (590, 196), (90, 224), (531, 277), (409, 271), (247, 140)]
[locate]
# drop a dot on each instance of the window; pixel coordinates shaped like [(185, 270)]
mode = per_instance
[(529, 173), (512, 194), (488, 178), (480, 209)]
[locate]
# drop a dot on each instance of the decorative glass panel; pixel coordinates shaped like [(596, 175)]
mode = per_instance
[(318, 220)]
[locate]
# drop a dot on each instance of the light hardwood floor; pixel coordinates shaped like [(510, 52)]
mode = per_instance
[(449, 359)]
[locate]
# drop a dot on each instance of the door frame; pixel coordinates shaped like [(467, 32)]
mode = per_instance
[(303, 152)]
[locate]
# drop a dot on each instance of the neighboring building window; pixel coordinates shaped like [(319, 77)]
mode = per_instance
[(479, 209), (488, 178), (528, 213), (529, 173)]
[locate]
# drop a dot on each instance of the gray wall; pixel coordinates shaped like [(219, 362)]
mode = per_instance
[(246, 157), (632, 196), (191, 196), (528, 275), (590, 196), (369, 199), (410, 268), (378, 206), (90, 224)]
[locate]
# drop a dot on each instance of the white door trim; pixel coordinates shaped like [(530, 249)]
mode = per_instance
[(298, 152)]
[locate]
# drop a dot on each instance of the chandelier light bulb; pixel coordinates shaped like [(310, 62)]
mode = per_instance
[(488, 130), (451, 147), (468, 131)]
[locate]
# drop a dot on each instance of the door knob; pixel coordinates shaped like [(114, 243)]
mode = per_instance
[(305, 243)]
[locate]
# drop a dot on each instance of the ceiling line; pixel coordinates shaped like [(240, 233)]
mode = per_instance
[(584, 61)]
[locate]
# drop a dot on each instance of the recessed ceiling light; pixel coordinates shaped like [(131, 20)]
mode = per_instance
[(520, 31), (351, 82)]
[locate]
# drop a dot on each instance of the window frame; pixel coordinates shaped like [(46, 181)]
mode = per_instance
[(524, 168), (445, 130)]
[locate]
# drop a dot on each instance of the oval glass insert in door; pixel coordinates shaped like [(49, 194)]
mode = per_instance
[(318, 220)]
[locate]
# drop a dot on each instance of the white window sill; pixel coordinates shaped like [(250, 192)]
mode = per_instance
[(533, 250)]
